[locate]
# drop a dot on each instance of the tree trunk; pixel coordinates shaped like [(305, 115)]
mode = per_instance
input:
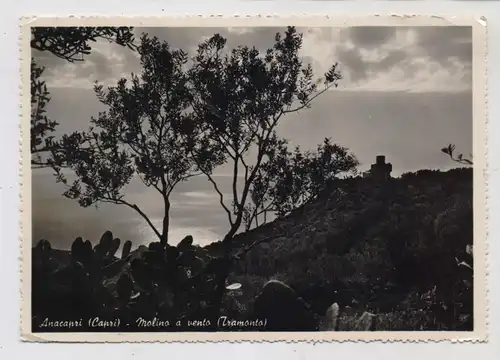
[(223, 274), (220, 288), (166, 221), (227, 243)]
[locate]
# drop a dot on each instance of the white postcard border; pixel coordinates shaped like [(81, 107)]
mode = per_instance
[(480, 185)]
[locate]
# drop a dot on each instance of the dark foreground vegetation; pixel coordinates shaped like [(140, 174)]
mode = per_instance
[(400, 249)]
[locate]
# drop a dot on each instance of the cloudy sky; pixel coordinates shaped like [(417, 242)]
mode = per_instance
[(406, 93)]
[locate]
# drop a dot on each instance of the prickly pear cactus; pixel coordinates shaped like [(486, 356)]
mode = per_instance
[(107, 241), (44, 246), (114, 247), (42, 254), (124, 288), (126, 249), (172, 253), (77, 250), (140, 274), (104, 245), (185, 243), (43, 249), (87, 250)]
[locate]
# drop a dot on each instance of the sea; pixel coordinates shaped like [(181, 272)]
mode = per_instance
[(195, 210)]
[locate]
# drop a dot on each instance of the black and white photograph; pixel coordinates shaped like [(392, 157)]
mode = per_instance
[(253, 179)]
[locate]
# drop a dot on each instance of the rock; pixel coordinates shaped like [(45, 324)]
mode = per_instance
[(367, 322), (283, 309), (331, 320)]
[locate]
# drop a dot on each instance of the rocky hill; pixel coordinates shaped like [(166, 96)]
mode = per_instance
[(365, 242)]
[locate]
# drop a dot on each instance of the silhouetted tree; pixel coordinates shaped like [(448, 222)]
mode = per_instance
[(461, 249), (239, 99), (290, 179), (71, 44), (459, 158), (41, 125), (138, 135)]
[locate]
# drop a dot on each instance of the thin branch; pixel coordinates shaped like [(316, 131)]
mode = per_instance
[(148, 185), (112, 200), (220, 138), (40, 150), (190, 176), (235, 184), (251, 218), (461, 161), (255, 243), (39, 165), (136, 208), (172, 187), (306, 104), (246, 189), (221, 198)]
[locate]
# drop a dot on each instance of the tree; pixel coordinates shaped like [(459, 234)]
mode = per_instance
[(71, 44), (238, 101), (450, 150), (41, 125), (291, 179), (139, 135)]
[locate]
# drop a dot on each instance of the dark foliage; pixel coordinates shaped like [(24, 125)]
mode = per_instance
[(239, 98), (459, 158), (139, 134), (179, 120), (71, 44), (395, 246), (288, 180), (41, 125), (400, 249)]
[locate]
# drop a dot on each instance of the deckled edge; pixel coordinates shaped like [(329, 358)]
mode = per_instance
[(22, 111), (25, 170), (484, 25)]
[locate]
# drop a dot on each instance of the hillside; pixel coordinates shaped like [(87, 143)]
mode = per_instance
[(368, 244)]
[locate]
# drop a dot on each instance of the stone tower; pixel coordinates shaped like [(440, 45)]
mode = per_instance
[(381, 170)]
